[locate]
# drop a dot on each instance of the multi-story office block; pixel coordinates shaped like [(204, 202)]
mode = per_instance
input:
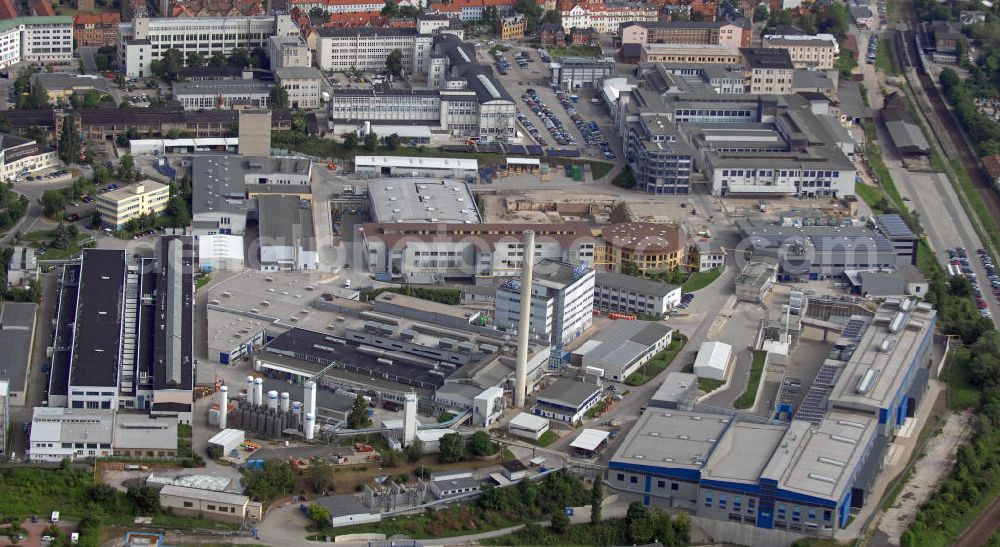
[(288, 51), (659, 157), (36, 40), (577, 72), (120, 206), (367, 48), (144, 40), (302, 85), (562, 301), (705, 33), (817, 52), (769, 70)]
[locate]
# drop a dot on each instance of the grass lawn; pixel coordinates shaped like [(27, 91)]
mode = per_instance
[(700, 280), (547, 438), (883, 58), (756, 370), (39, 237), (709, 385), (868, 193), (201, 281), (610, 532), (657, 364)]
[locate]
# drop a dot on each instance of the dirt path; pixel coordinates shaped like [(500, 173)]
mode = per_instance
[(927, 473)]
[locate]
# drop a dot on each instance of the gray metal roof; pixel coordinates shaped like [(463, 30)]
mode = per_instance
[(17, 322), (882, 284), (219, 183), (221, 87), (286, 220), (620, 281), (569, 392), (96, 344), (893, 226), (297, 72), (140, 431), (621, 342)]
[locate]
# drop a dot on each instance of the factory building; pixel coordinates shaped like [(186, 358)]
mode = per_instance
[(567, 400), (622, 348), (809, 476), (620, 293)]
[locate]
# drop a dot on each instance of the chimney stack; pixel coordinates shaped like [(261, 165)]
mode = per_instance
[(524, 321), (223, 406)]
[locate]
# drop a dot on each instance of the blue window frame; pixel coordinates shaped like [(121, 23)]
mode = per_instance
[(827, 515), (811, 514)]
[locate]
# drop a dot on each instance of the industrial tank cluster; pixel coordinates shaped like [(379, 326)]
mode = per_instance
[(270, 419)]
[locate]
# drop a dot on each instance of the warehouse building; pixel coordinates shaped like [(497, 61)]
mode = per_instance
[(208, 94), (287, 238), (528, 426), (714, 360), (562, 305), (581, 72), (209, 504), (64, 433), (17, 333), (622, 348), (371, 167), (678, 391), (421, 200)]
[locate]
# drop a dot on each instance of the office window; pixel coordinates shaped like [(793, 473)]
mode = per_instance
[(661, 484), (674, 486), (827, 515), (811, 514), (188, 504), (633, 479)]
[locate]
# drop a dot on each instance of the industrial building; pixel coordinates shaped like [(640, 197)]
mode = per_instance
[(622, 348), (816, 52), (714, 360), (678, 391), (286, 235), (754, 281), (421, 200), (302, 83), (581, 72), (288, 52), (124, 334), (61, 86), (209, 504), (562, 296), (567, 400), (62, 433), (224, 188), (620, 293), (818, 252), (769, 69), (687, 53), (17, 334), (809, 476), (426, 252), (528, 426), (415, 167)]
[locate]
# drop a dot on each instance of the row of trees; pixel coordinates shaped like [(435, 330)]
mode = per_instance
[(983, 131), (173, 60)]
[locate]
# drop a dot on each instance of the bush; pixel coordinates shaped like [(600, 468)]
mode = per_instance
[(482, 445)]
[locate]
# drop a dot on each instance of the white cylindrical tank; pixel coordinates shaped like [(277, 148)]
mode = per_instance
[(296, 407), (307, 428), (258, 391), (272, 400), (256, 365), (249, 389), (223, 405), (310, 402), (285, 401)]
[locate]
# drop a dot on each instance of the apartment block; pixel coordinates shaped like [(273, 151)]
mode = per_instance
[(122, 205), (817, 52), (511, 27), (605, 18), (473, 10), (96, 30), (770, 70)]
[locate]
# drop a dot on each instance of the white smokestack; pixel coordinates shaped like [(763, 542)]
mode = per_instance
[(524, 321), (249, 389), (307, 428), (223, 406), (310, 402), (409, 418), (285, 401), (258, 391), (272, 400)]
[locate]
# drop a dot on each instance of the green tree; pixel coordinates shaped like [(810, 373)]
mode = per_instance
[(179, 211), (319, 477), (69, 142), (273, 480), (196, 60), (596, 500), (317, 14), (278, 97), (490, 14), (394, 62), (126, 169), (319, 515), (95, 219), (414, 451), (166, 68), (452, 448), (552, 17), (217, 59), (532, 13), (36, 98), (393, 141), (299, 122), (60, 237), (350, 141), (391, 8), (559, 523), (145, 498), (239, 57), (371, 141), (481, 444), (629, 267), (358, 419), (38, 134)]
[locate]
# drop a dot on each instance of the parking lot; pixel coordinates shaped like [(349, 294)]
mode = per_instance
[(534, 74)]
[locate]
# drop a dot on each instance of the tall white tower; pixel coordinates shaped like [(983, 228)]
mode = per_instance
[(258, 391), (223, 406), (409, 418), (310, 398), (524, 321)]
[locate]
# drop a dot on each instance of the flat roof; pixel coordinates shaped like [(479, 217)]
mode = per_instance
[(675, 387), (885, 355), (124, 192), (145, 432), (672, 438), (17, 329), (221, 87), (590, 439), (173, 355), (569, 392), (422, 200), (297, 73), (72, 424), (97, 342), (286, 221), (220, 183), (428, 306), (523, 420), (204, 495), (821, 461), (743, 452)]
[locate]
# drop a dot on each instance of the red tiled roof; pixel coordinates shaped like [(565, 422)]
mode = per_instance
[(7, 10), (458, 5), (97, 19)]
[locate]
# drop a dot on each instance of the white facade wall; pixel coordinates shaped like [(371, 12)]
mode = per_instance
[(10, 47), (820, 180), (47, 42), (302, 92), (367, 51), (286, 257)]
